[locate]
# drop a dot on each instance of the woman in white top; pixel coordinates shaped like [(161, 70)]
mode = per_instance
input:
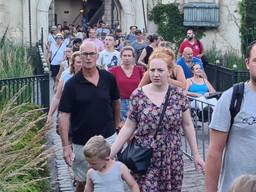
[(75, 66), (65, 64)]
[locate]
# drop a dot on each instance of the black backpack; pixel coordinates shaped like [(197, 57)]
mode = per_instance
[(236, 100)]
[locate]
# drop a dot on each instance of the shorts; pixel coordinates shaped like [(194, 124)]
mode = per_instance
[(80, 165), (124, 109), (55, 70)]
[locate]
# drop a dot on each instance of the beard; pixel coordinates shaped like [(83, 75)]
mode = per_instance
[(189, 37)]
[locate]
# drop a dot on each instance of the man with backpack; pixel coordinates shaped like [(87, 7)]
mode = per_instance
[(232, 151)]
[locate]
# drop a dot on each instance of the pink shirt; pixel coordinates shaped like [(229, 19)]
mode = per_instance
[(99, 44), (126, 84)]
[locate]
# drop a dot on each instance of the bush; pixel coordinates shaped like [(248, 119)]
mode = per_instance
[(229, 59), (23, 155), (14, 61), (248, 23)]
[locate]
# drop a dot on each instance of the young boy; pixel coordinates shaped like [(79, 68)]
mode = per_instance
[(105, 174)]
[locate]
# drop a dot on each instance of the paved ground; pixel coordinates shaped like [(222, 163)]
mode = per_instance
[(62, 175)]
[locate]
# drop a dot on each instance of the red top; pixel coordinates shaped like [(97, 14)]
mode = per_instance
[(126, 84), (195, 47)]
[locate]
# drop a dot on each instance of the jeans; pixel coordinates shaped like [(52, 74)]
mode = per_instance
[(124, 108)]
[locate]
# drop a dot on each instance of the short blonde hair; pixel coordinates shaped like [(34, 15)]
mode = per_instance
[(72, 64), (244, 183), (164, 53), (97, 147)]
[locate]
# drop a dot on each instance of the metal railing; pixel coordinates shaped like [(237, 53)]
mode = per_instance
[(201, 116), (33, 89), (223, 78)]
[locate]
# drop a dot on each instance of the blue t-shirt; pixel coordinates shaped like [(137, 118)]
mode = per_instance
[(186, 68)]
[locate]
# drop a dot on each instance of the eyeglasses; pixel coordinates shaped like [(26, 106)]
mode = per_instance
[(86, 54)]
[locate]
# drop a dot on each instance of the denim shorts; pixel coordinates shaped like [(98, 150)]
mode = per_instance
[(80, 165), (124, 109)]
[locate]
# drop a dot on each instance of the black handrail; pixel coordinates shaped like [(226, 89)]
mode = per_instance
[(223, 78), (34, 89), (31, 89)]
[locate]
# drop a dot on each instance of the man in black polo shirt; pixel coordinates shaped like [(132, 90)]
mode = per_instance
[(89, 106)]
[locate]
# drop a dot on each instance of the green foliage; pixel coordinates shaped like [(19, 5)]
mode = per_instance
[(229, 59), (248, 23), (170, 23), (14, 61), (23, 155)]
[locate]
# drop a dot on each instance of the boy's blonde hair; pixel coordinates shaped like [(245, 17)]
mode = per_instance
[(244, 183), (97, 147)]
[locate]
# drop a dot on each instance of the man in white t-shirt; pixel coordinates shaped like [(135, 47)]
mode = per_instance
[(109, 57)]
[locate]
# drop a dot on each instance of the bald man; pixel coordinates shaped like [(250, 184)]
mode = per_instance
[(187, 60), (89, 106)]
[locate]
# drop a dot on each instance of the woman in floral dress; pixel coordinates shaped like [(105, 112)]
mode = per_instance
[(165, 172)]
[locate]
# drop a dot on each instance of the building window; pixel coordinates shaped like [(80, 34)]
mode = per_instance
[(201, 14)]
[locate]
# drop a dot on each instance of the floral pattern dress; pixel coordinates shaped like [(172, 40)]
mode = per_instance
[(165, 173)]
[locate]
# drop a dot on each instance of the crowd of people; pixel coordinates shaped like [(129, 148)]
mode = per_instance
[(115, 86)]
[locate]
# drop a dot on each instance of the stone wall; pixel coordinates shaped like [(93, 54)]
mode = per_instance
[(15, 15), (226, 36), (132, 14), (12, 20), (67, 10)]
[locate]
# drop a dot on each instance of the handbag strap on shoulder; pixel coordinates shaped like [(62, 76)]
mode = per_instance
[(163, 111)]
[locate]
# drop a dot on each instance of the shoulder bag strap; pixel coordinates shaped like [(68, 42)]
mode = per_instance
[(163, 111), (56, 52), (236, 101), (235, 104)]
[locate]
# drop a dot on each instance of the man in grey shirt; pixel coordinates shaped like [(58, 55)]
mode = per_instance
[(139, 44), (232, 147)]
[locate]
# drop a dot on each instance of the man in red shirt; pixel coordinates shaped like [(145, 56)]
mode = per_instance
[(193, 43)]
